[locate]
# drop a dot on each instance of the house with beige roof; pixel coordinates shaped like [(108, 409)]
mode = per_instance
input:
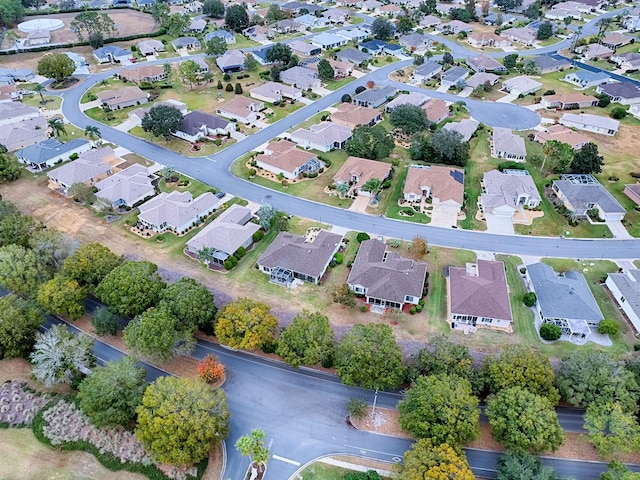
[(436, 109), (123, 97), (386, 279), (616, 40), (284, 158), (478, 297), (506, 144), (138, 114), (143, 73), (505, 193), (481, 79), (594, 51), (412, 98), (465, 127), (568, 101), (526, 36), (350, 115), (240, 108), (275, 92), (562, 134), (324, 136), (224, 236), (440, 185), (231, 61), (521, 85), (633, 192), (357, 171), (176, 211), (291, 257), (301, 77), (590, 123), (14, 112), (340, 69), (488, 39), (127, 187), (90, 167), (485, 63)]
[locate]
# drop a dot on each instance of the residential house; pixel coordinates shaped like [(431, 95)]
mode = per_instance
[(296, 7), (572, 7), (379, 47), (112, 54), (240, 108), (430, 21), (549, 64), (581, 193), (415, 42), (481, 79), (634, 110), (47, 153), (15, 112), (454, 77), (454, 27), (524, 35), (231, 61), (568, 101), (176, 211), (624, 93), (351, 115), (355, 35), (466, 128), (413, 98), (492, 19), (485, 63), (631, 20), (186, 43), (127, 187), (336, 15), (286, 26), (327, 40), (616, 40), (565, 300), (38, 37), (300, 77), (353, 56), (521, 85), (138, 114), (9, 93), (143, 73), (386, 279), (305, 49), (371, 5), (506, 144), (284, 158), (478, 296), (257, 33), (224, 236), (324, 136), (197, 125), (557, 12), (90, 167), (505, 193), (586, 79), (150, 47), (426, 71), (443, 185), (594, 51), (17, 75), (21, 134), (633, 192), (291, 257), (488, 39), (590, 123), (228, 37), (436, 109), (562, 134), (390, 10), (625, 288), (358, 171), (197, 25), (374, 97), (122, 97), (629, 62), (340, 69), (311, 22), (272, 92), (261, 56), (80, 63)]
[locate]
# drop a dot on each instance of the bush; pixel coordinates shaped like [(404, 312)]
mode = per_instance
[(241, 252), (252, 172), (233, 260), (360, 90), (618, 113), (228, 265), (258, 236), (210, 369), (550, 332), (229, 87), (357, 408), (412, 310), (510, 166), (608, 327), (339, 258), (362, 236), (226, 77), (73, 156), (270, 346), (529, 299), (549, 92), (346, 98), (105, 322), (419, 308), (364, 308), (523, 270)]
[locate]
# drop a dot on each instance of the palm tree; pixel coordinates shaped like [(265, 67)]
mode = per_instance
[(92, 132), (38, 89), (57, 127)]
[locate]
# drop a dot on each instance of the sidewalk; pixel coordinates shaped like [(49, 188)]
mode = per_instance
[(353, 466)]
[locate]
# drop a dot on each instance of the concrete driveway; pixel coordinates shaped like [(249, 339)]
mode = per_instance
[(499, 224), (617, 229), (444, 217), (360, 204)]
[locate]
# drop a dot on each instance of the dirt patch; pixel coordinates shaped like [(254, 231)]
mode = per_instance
[(20, 369), (384, 421), (214, 467)]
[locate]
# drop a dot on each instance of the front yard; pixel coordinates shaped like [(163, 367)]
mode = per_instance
[(203, 149)]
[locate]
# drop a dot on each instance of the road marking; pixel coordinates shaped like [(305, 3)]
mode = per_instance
[(286, 460), (364, 450)]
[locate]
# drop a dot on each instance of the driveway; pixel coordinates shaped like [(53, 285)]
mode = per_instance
[(617, 229), (508, 98), (360, 204), (499, 224), (128, 125), (444, 217)]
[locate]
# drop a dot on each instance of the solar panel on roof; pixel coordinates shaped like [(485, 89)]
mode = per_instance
[(457, 176)]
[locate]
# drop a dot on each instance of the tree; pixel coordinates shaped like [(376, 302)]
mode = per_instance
[(545, 30), (608, 326), (428, 7), (14, 227), (111, 394), (93, 26), (584, 377), (160, 11), (90, 264), (510, 61), (369, 357), (37, 87), (279, 53), (508, 4), (517, 366), (250, 62), (523, 421), (619, 471), (550, 332), (612, 430), (447, 59), (10, 168), (308, 340), (92, 132), (162, 120), (252, 446), (443, 146), (523, 466), (266, 213), (191, 303), (344, 295), (57, 126), (188, 71), (603, 25), (372, 185), (19, 323), (131, 288), (213, 8), (238, 89), (461, 14), (176, 23), (62, 296), (441, 407), (104, 322), (325, 70), (274, 14), (236, 17), (11, 12), (618, 113), (558, 156), (382, 29), (216, 46), (246, 324), (410, 119), (405, 24), (19, 270), (181, 419), (82, 193), (530, 67), (424, 460), (533, 11), (529, 299), (60, 356), (418, 246), (374, 142), (210, 369)]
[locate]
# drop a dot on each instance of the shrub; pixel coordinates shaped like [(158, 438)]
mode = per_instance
[(105, 322), (635, 174), (252, 172), (386, 184), (321, 170), (357, 408), (339, 258), (233, 260), (523, 270), (550, 332), (412, 310), (229, 87), (549, 92), (226, 77), (241, 252), (608, 327), (346, 98), (284, 183), (529, 299), (210, 369), (510, 166), (228, 265), (360, 89), (73, 156), (419, 308), (270, 346), (362, 236), (258, 236), (618, 113), (364, 308)]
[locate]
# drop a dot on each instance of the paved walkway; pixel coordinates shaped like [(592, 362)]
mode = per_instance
[(353, 466)]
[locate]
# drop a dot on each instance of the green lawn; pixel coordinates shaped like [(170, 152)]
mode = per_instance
[(108, 84), (336, 84), (393, 209), (480, 161), (282, 110), (182, 146), (244, 42), (317, 118), (51, 102), (322, 471), (195, 187), (111, 118)]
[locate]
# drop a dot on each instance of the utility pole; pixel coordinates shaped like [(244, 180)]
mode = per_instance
[(375, 400)]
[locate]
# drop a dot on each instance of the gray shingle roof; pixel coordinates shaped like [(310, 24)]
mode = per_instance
[(226, 233), (629, 286), (581, 194), (193, 122), (42, 152), (375, 95)]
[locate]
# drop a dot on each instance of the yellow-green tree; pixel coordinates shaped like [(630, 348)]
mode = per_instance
[(62, 296), (181, 419), (246, 324), (426, 461), (90, 264)]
